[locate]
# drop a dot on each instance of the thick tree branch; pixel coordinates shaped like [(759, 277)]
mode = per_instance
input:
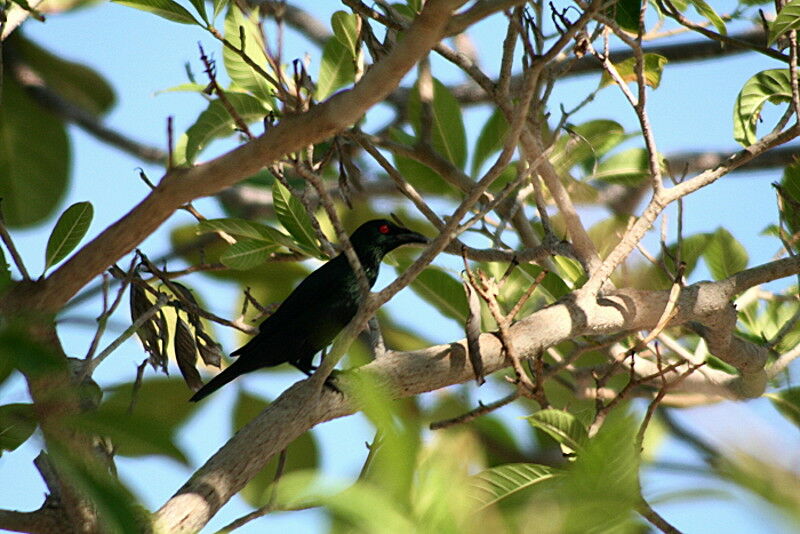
[(180, 186), (404, 374)]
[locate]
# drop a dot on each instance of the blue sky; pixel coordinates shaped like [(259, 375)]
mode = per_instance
[(141, 54)]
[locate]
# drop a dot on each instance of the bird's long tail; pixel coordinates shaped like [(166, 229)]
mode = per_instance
[(228, 374)]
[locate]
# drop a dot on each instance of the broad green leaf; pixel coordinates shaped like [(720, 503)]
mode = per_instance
[(77, 83), (422, 177), (200, 6), (21, 351), (117, 508), (241, 73), (239, 228), (336, 70), (692, 248), (17, 423), (346, 27), (601, 486), (302, 453), (133, 434), (788, 19), (630, 167), (441, 290), (447, 129), (219, 5), (167, 9), (247, 253), (607, 233), (216, 122), (772, 86), (708, 12), (724, 255), (34, 157), (68, 232), (789, 195), (490, 140), (249, 230), (626, 14), (497, 483), (585, 144), (653, 67), (787, 401), (292, 215), (160, 409), (561, 426)]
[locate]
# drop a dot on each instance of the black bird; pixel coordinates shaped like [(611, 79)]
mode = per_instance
[(318, 309)]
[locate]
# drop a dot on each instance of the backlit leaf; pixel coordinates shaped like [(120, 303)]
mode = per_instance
[(167, 9), (724, 255), (772, 86), (68, 232)]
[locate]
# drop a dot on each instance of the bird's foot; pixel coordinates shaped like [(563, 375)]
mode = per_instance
[(330, 382)]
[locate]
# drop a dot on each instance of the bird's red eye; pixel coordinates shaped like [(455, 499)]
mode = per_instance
[(384, 228)]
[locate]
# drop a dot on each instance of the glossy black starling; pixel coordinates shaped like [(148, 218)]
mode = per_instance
[(318, 309)]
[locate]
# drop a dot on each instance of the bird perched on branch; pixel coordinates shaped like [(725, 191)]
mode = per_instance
[(318, 309)]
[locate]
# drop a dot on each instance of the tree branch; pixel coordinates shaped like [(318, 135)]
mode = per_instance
[(180, 186), (404, 374)]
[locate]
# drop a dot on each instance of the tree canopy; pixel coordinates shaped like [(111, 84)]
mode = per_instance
[(583, 246)]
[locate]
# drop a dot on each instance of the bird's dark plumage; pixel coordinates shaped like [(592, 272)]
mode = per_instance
[(317, 310)]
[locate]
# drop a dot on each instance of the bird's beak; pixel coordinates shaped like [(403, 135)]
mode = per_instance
[(409, 236)]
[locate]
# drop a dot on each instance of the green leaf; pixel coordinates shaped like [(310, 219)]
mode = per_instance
[(787, 401), (292, 215), (240, 228), (200, 6), (626, 14), (77, 83), (117, 508), (302, 453), (441, 290), (601, 486), (585, 144), (167, 9), (17, 423), (497, 483), (692, 249), (160, 408), (447, 129), (336, 69), (630, 167), (346, 27), (770, 85), (708, 12), (788, 19), (219, 5), (247, 253), (241, 73), (490, 140), (789, 195), (724, 255), (133, 434), (68, 232), (34, 157), (188, 87), (422, 177), (249, 230), (216, 122), (653, 67), (561, 426)]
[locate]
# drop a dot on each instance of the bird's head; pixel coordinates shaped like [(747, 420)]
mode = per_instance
[(383, 236)]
